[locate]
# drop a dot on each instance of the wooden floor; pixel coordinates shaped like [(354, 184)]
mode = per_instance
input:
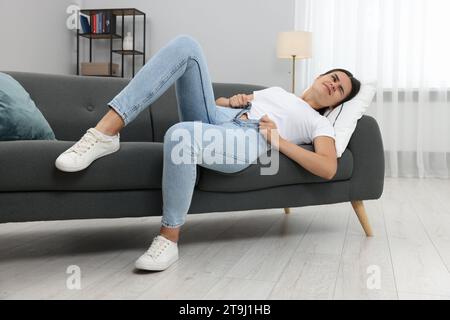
[(312, 253)]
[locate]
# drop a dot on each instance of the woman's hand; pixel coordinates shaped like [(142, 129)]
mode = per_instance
[(239, 100), (269, 130)]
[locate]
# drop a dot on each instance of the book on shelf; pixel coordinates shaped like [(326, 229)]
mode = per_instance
[(97, 22), (93, 23), (85, 27), (102, 22), (110, 22)]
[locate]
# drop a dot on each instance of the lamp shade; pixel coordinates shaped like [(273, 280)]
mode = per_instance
[(294, 43)]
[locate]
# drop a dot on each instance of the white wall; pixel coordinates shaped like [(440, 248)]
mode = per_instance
[(238, 36), (34, 36)]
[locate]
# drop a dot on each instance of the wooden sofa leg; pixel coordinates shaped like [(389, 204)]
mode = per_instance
[(287, 210), (360, 211)]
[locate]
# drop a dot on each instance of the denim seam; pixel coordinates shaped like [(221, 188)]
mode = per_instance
[(168, 225), (160, 85), (167, 78), (247, 124), (124, 115), (195, 58), (235, 157), (163, 221)]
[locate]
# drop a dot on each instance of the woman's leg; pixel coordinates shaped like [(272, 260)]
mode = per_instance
[(180, 62), (223, 114), (226, 148)]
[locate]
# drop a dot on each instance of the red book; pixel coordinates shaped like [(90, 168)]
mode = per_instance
[(94, 23)]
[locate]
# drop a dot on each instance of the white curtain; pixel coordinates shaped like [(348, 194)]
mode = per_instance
[(403, 47)]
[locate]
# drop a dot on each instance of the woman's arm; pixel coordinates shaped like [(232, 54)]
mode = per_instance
[(322, 162), (235, 101)]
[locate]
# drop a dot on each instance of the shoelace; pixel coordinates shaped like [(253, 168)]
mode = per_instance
[(156, 248), (86, 142)]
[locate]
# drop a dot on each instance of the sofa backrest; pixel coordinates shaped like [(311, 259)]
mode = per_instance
[(72, 104)]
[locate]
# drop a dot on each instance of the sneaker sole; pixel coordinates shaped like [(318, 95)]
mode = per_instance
[(143, 266), (71, 169)]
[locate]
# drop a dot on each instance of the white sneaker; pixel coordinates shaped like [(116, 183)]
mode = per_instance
[(161, 254), (92, 145)]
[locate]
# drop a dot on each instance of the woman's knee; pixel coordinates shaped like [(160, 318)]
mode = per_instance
[(179, 129), (182, 133), (180, 144), (187, 42)]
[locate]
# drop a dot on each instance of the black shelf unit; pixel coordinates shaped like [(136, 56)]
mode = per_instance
[(117, 13)]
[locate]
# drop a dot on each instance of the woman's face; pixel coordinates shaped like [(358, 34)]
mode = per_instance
[(331, 89)]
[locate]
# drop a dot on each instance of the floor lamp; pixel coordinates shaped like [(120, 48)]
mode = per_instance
[(294, 45)]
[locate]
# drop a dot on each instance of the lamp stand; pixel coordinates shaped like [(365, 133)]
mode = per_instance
[(293, 74), (288, 210)]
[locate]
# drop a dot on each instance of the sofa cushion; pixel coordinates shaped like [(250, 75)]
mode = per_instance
[(29, 166), (289, 173)]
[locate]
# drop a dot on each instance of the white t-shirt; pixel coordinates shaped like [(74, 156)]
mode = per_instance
[(296, 120)]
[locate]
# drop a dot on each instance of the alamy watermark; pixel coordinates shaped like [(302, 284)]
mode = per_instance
[(73, 281), (374, 280), (73, 20), (221, 146)]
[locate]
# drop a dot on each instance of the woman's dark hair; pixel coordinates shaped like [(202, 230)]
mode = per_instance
[(356, 85)]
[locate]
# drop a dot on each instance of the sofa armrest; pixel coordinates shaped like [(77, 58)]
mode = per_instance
[(366, 146)]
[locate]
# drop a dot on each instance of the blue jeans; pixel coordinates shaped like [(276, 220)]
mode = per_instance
[(212, 136)]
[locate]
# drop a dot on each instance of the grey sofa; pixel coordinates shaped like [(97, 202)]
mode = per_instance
[(128, 183)]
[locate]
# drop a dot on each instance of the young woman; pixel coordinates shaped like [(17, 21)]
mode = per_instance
[(267, 118)]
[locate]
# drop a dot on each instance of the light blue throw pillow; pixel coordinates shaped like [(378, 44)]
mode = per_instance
[(20, 119)]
